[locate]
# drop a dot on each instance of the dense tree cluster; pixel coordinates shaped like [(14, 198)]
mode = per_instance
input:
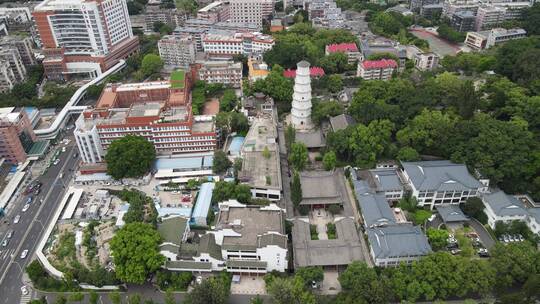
[(129, 157), (303, 42), (228, 190), (394, 25), (214, 290), (448, 33)]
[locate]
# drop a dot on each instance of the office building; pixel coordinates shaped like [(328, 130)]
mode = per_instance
[(450, 7), (177, 51), (226, 72), (251, 11), (159, 110), (376, 69), (83, 38), (426, 61)]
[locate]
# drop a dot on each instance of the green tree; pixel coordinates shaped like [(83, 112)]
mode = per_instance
[(151, 65), (296, 190), (329, 160), (41, 300), (290, 291), (323, 110), (134, 299), (76, 297), (266, 153), (228, 101), (437, 238), (256, 300), (531, 19), (135, 252), (214, 290), (514, 263), (298, 156), (221, 162), (334, 63), (115, 297), (61, 300), (408, 154), (361, 284), (169, 297), (131, 156), (290, 136), (310, 274), (474, 207), (446, 32), (93, 297), (335, 83)]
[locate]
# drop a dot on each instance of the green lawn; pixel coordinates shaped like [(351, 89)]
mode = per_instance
[(177, 79)]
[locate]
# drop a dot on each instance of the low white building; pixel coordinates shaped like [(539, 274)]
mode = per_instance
[(218, 43), (502, 207), (426, 61), (441, 182), (376, 69), (487, 39)]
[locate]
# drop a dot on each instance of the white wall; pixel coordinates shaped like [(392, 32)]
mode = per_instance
[(275, 257)]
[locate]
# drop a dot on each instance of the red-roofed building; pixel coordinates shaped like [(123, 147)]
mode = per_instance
[(376, 69), (350, 49), (313, 72)]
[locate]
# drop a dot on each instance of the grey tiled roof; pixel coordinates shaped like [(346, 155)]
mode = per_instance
[(451, 213), (503, 204), (395, 241), (341, 122), (272, 239), (246, 263), (440, 175), (188, 265), (386, 179), (312, 139), (207, 244), (374, 207)]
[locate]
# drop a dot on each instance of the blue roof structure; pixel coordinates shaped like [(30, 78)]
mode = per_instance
[(204, 199), (184, 163), (236, 144)]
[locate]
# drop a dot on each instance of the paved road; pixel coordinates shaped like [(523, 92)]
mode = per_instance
[(28, 231), (483, 234)]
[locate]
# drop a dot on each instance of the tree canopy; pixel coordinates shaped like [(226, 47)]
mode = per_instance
[(130, 156), (135, 252)]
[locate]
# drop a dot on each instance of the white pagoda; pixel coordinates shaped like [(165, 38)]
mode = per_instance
[(301, 104)]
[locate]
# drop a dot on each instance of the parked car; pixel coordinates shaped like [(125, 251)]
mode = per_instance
[(25, 208), (483, 253), (24, 290), (9, 234), (16, 219), (455, 251), (521, 238), (198, 280), (505, 238), (29, 200), (452, 246), (5, 242), (511, 238), (24, 253), (314, 285)]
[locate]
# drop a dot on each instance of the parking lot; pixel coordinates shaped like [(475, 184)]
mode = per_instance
[(249, 285)]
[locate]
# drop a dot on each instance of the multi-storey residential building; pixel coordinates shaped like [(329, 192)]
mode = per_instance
[(426, 61), (227, 44), (514, 9), (172, 17), (451, 7), (195, 33), (16, 135), (442, 182), (251, 11), (177, 51), (24, 45), (160, 111), (84, 37), (226, 72), (216, 11), (486, 39), (489, 16), (324, 13), (376, 69), (417, 5), (349, 49), (246, 239), (7, 78), (463, 21), (11, 55)]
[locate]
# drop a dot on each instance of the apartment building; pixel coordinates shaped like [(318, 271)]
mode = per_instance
[(7, 78), (486, 39), (435, 183), (251, 11), (246, 239), (416, 5), (450, 7), (216, 11), (426, 61), (24, 46), (82, 37), (463, 21), (12, 56), (16, 135), (489, 16), (349, 49), (324, 13), (172, 17), (159, 110), (227, 43), (177, 51), (226, 72), (376, 69)]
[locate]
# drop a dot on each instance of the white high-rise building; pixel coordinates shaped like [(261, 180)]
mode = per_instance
[(250, 11), (301, 105)]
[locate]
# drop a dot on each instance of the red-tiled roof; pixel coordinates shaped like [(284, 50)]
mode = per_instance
[(379, 64), (342, 47), (313, 72)]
